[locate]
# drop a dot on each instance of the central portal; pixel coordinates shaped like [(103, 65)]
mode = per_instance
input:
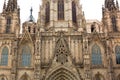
[(62, 74)]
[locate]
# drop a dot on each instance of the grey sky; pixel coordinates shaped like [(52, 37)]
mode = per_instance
[(91, 8)]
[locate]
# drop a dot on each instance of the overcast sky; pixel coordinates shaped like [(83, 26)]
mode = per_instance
[(91, 8)]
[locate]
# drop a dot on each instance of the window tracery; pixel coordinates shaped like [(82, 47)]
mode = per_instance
[(26, 56), (8, 23), (117, 51), (60, 9), (61, 51), (47, 13), (74, 19), (4, 57), (114, 23), (96, 55)]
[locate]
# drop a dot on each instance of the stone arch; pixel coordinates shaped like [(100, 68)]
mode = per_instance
[(96, 55), (74, 16), (3, 77), (25, 76), (4, 56), (26, 56), (61, 74), (30, 50), (98, 76), (102, 48)]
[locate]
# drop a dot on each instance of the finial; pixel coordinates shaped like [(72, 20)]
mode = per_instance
[(31, 18), (117, 4), (4, 7), (31, 10)]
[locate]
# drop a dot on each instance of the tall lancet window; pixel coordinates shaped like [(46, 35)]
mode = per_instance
[(4, 57), (8, 23), (117, 51), (47, 13), (96, 55), (113, 19), (26, 56), (60, 9), (74, 19)]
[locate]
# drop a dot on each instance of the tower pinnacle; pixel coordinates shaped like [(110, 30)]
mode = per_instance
[(31, 18), (117, 4), (4, 6), (110, 5)]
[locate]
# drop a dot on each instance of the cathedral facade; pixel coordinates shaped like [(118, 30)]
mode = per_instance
[(61, 45)]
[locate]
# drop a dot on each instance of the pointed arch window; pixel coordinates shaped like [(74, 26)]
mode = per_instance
[(25, 77), (26, 56), (29, 29), (4, 56), (47, 13), (96, 55), (8, 23), (60, 9), (34, 30), (117, 51), (74, 19), (113, 19)]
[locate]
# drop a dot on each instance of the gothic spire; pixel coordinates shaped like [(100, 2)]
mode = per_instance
[(4, 6), (31, 18), (12, 5), (117, 4), (110, 5)]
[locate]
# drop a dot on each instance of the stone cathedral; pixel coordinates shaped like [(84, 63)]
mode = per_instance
[(62, 44)]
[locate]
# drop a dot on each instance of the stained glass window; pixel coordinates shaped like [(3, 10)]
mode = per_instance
[(8, 23), (74, 12), (96, 55), (26, 56), (114, 23), (60, 9), (4, 57), (117, 51), (47, 12)]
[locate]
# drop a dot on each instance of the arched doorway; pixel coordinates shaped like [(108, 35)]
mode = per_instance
[(62, 74)]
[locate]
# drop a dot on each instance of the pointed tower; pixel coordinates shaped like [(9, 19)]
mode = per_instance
[(12, 5), (4, 6), (10, 18), (111, 15), (66, 13), (30, 24), (117, 4)]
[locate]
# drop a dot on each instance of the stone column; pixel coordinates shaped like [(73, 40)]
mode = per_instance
[(110, 62), (14, 60), (37, 62), (86, 54)]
